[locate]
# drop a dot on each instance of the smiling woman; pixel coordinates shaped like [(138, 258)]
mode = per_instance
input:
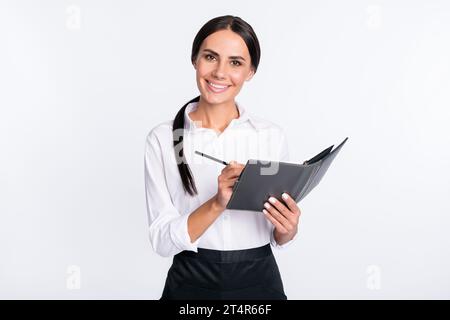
[(211, 66), (218, 253)]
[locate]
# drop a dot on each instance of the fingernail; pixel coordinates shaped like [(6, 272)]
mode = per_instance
[(264, 211), (284, 196), (266, 205), (272, 199)]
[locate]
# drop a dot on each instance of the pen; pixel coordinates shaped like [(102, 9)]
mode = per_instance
[(212, 158)]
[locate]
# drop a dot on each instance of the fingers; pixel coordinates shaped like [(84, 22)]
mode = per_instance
[(233, 169), (231, 181), (233, 172), (291, 204), (278, 217), (229, 175), (283, 216), (280, 207), (233, 165), (226, 182), (275, 222)]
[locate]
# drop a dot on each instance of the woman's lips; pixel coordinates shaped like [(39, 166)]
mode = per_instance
[(216, 88)]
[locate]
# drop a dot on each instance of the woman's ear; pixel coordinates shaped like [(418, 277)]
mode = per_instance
[(250, 75)]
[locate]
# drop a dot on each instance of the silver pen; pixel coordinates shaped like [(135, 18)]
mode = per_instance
[(212, 158)]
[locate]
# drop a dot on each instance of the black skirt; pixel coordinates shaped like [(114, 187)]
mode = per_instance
[(215, 275)]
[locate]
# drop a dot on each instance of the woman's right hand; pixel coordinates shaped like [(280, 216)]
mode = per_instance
[(226, 181)]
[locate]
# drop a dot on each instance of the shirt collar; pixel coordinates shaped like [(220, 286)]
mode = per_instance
[(243, 117)]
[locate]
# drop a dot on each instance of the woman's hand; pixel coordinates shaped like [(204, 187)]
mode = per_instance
[(284, 217), (226, 181)]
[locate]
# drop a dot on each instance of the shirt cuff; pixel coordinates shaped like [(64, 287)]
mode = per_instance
[(180, 235), (274, 243)]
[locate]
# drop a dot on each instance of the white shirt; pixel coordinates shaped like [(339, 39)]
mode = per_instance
[(168, 206)]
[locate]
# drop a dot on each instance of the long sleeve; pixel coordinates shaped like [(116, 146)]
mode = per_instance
[(168, 228), (284, 150), (284, 156)]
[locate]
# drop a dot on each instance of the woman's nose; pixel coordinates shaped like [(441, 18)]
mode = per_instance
[(220, 71)]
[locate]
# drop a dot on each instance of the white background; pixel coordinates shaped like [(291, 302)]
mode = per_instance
[(83, 82)]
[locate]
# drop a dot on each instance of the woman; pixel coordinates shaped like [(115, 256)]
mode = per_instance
[(218, 253)]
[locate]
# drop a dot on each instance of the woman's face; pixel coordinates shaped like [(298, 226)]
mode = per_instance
[(222, 65)]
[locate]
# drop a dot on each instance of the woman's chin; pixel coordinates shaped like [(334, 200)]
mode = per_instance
[(213, 98)]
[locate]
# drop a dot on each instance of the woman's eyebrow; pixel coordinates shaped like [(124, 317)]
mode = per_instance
[(230, 57)]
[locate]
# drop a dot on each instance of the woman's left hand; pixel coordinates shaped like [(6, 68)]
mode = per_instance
[(285, 218)]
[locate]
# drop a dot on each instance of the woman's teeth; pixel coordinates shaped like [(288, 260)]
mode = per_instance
[(216, 87)]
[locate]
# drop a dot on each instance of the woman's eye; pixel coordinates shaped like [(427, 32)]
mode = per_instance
[(233, 62)]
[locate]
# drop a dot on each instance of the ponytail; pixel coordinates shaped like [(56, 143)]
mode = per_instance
[(246, 32), (183, 167)]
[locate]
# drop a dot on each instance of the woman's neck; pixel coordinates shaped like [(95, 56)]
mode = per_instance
[(214, 116)]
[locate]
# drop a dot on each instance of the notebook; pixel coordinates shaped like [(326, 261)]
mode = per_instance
[(261, 179)]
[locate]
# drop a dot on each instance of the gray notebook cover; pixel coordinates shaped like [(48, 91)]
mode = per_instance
[(261, 179)]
